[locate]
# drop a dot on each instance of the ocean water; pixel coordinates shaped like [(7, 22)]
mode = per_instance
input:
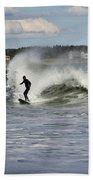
[(51, 134)]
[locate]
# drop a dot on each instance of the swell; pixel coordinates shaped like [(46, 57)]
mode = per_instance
[(60, 80), (62, 93), (59, 89), (69, 92)]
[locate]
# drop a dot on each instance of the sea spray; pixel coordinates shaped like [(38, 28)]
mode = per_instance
[(45, 73)]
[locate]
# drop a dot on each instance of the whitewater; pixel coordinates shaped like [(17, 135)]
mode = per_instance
[(51, 134), (43, 74)]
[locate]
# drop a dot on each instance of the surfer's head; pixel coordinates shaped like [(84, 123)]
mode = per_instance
[(24, 77)]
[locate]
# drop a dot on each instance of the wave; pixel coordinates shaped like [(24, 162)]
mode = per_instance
[(53, 80), (64, 93)]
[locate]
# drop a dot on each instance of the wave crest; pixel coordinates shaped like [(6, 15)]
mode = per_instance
[(50, 82)]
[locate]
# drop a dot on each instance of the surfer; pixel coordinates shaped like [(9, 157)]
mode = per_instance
[(27, 85)]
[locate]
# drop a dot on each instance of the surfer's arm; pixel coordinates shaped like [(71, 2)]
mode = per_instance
[(21, 82)]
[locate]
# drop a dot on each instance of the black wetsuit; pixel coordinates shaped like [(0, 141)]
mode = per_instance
[(27, 85)]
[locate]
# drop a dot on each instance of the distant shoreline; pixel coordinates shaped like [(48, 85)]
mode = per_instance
[(48, 52)]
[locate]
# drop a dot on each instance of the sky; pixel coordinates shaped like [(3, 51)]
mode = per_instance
[(46, 26)]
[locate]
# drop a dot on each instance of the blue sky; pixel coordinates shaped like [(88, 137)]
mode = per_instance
[(46, 26)]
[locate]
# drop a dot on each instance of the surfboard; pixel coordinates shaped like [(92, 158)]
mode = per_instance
[(23, 101)]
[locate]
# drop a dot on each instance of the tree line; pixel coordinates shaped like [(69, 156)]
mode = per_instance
[(48, 52)]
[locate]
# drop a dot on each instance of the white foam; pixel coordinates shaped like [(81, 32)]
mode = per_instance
[(28, 63)]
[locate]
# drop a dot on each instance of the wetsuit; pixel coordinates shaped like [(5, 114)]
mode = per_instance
[(27, 85)]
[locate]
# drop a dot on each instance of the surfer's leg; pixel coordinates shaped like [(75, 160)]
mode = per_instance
[(25, 94)]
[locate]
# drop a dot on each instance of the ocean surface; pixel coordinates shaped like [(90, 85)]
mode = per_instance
[(50, 135)]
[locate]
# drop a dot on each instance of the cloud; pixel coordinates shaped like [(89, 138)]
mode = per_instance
[(13, 27), (78, 10), (30, 25)]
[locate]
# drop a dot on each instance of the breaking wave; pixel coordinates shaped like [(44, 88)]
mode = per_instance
[(53, 80)]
